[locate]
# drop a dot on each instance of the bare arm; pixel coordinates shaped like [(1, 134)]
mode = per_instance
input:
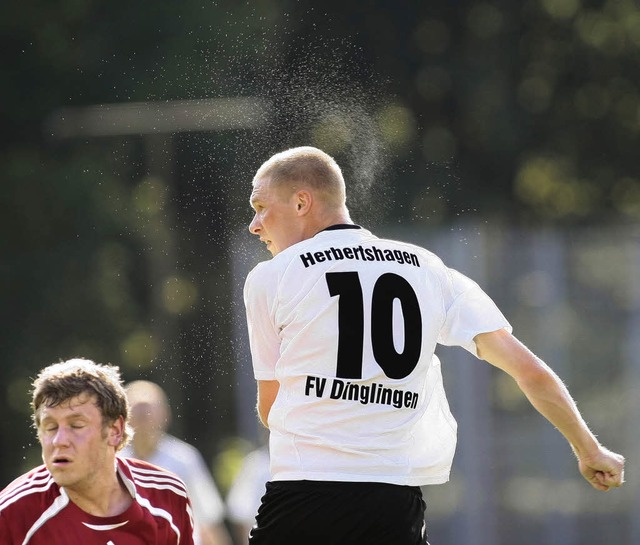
[(215, 534), (546, 392), (267, 392)]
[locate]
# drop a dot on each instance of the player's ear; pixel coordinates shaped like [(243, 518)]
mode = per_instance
[(115, 432), (303, 202)]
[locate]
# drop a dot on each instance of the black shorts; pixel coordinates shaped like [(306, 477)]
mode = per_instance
[(339, 513)]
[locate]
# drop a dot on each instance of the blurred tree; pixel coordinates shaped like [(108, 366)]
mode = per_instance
[(528, 111)]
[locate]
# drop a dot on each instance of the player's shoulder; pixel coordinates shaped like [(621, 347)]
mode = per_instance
[(146, 475), (355, 238), (274, 268), (141, 467), (257, 273), (30, 490)]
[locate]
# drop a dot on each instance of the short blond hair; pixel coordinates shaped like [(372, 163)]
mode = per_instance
[(308, 166)]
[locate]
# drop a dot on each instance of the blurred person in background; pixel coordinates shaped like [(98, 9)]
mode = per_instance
[(84, 493), (343, 329), (150, 419), (246, 491)]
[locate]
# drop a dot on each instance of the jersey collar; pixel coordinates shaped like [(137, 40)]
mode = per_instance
[(338, 226)]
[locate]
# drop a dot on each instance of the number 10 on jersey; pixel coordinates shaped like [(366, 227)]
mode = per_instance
[(351, 323)]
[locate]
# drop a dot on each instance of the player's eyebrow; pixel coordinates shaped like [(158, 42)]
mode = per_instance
[(255, 200), (66, 418)]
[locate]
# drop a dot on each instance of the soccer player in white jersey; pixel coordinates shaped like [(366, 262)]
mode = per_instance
[(343, 327), (84, 494)]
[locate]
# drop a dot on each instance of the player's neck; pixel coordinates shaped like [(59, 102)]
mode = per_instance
[(104, 498), (336, 217), (144, 445)]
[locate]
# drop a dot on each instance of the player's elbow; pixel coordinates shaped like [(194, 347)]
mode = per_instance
[(537, 377), (267, 393), (263, 416), (263, 409)]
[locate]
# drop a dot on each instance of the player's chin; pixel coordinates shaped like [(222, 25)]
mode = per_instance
[(61, 474)]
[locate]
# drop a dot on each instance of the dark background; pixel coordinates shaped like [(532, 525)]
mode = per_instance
[(120, 248)]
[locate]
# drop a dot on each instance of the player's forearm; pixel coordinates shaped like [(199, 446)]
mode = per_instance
[(540, 384), (550, 397), (215, 534), (267, 392)]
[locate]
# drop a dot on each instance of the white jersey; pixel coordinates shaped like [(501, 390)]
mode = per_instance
[(348, 324)]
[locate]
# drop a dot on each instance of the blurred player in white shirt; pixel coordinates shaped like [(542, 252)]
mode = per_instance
[(246, 491), (150, 418)]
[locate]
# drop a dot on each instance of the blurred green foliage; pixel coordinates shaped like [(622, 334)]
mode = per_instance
[(524, 111)]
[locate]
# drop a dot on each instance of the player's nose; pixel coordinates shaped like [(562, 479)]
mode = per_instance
[(61, 437), (255, 226)]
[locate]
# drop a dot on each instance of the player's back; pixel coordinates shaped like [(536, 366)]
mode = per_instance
[(357, 319)]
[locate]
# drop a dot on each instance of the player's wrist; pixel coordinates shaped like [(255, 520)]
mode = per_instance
[(587, 449)]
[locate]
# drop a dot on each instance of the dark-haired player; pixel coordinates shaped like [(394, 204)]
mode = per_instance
[(84, 494)]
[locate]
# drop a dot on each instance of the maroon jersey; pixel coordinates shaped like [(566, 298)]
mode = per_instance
[(34, 510)]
